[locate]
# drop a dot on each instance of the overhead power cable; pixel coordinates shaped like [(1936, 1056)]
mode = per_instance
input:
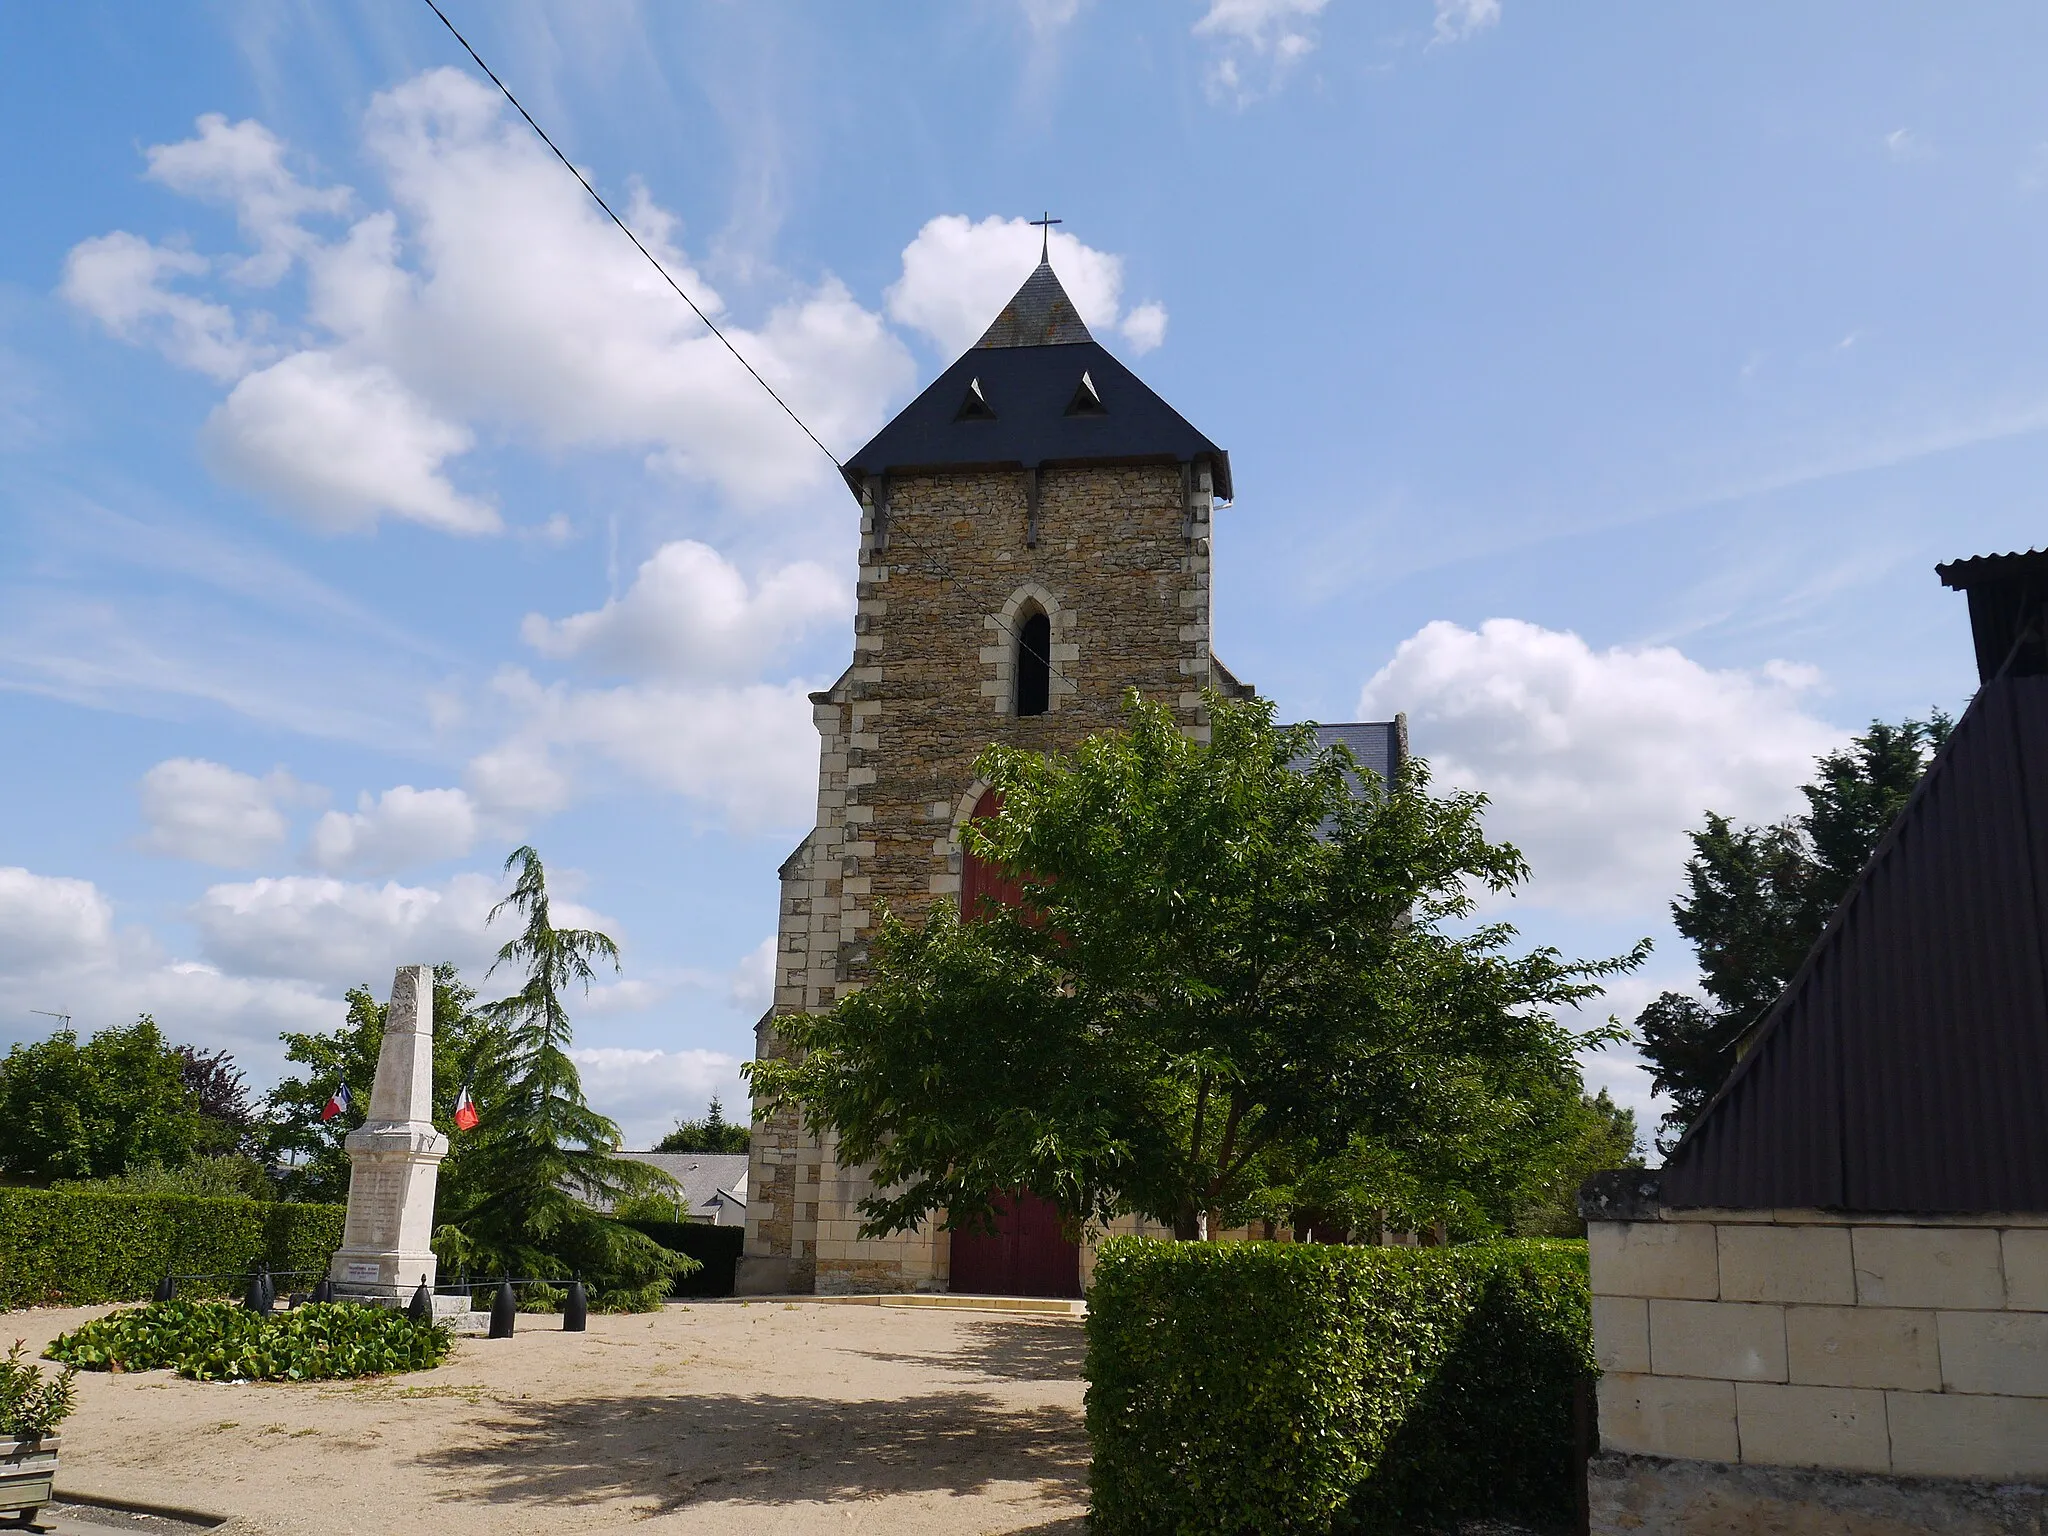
[(626, 230)]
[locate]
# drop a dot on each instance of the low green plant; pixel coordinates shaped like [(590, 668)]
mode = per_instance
[(1307, 1388), (216, 1341), (32, 1404), (221, 1176)]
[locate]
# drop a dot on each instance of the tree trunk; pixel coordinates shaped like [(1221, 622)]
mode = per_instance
[(1188, 1224)]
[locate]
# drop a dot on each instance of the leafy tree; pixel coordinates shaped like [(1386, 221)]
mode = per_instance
[(94, 1110), (1227, 955), (221, 1095), (309, 1153), (1757, 897), (711, 1134), (519, 1201)]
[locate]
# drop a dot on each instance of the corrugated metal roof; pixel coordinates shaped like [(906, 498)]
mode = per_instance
[(1025, 388), (1905, 1068), (2008, 594)]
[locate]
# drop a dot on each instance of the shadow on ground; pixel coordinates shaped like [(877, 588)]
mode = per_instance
[(673, 1451), (1006, 1350)]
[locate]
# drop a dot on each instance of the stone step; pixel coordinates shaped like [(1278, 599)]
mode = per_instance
[(1040, 1306)]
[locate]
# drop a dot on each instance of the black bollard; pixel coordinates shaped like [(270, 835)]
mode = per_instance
[(166, 1288), (269, 1291), (324, 1289), (257, 1298), (422, 1308), (504, 1308), (576, 1310)]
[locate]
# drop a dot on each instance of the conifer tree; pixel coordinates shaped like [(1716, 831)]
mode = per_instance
[(522, 1201)]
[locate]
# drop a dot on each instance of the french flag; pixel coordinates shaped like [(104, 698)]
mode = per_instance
[(338, 1103), (466, 1116)]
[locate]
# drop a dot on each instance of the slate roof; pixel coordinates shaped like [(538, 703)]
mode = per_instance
[(1028, 372), (1905, 1067), (1377, 744), (713, 1184)]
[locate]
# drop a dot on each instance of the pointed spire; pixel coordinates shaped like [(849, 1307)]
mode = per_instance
[(1041, 315)]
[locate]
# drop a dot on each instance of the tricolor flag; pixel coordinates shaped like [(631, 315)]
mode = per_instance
[(337, 1104), (466, 1116)]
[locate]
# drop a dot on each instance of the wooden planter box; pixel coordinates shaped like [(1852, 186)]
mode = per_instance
[(28, 1468)]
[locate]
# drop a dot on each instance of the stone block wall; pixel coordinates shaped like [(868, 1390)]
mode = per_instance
[(948, 575), (1905, 1347)]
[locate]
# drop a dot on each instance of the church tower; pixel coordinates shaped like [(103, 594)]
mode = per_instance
[(1034, 543)]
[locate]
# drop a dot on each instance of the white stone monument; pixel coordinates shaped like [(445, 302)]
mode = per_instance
[(395, 1157)]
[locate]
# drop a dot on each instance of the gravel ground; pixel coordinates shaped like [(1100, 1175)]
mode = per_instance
[(728, 1417)]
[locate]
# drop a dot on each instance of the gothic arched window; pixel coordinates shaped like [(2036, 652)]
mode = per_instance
[(1034, 665)]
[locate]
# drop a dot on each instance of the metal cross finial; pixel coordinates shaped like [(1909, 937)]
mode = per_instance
[(1045, 245)]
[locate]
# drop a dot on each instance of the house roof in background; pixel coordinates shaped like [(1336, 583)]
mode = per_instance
[(702, 1176), (1905, 1068)]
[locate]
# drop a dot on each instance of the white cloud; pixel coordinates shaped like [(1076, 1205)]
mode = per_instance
[(338, 932), (340, 445), (749, 752), (60, 951), (1907, 147), (123, 282), (212, 814), (957, 276), (48, 923), (1598, 762), (491, 293), (1145, 327), (689, 613), (1273, 35), (242, 165), (752, 985), (1049, 15), (647, 1091), (1457, 20), (399, 829)]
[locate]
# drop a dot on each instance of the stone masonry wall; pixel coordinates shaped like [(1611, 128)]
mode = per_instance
[(1121, 568), (1906, 1347)]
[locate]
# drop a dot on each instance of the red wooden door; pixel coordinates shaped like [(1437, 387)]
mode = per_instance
[(1027, 1255)]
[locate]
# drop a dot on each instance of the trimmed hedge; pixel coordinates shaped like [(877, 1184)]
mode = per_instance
[(76, 1247), (716, 1248), (1284, 1387)]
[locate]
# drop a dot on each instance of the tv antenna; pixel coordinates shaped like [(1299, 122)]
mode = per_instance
[(63, 1018)]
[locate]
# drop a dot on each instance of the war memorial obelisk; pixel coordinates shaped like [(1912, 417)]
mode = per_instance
[(395, 1157)]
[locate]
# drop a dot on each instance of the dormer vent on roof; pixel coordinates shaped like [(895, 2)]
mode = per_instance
[(1086, 401), (974, 405)]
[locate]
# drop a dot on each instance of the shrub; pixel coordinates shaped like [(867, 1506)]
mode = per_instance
[(30, 1404), (1266, 1387), (78, 1246), (715, 1249), (216, 1340)]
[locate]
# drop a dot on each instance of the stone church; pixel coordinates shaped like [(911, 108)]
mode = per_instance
[(1035, 541)]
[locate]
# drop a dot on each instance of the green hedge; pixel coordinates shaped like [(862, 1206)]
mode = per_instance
[(716, 1248), (1282, 1387), (75, 1247)]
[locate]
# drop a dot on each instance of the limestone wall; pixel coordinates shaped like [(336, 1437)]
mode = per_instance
[(1909, 1347), (947, 576)]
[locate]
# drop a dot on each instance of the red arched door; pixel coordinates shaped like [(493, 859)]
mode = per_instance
[(1026, 1254)]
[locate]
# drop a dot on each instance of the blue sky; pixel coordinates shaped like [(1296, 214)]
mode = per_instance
[(1602, 383)]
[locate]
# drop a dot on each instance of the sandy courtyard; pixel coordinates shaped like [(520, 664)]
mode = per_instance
[(726, 1417)]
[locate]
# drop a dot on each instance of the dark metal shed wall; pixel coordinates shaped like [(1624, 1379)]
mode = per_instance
[(1906, 1067)]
